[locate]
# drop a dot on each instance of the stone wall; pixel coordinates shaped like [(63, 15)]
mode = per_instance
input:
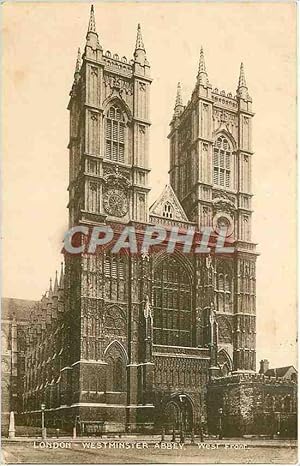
[(252, 404)]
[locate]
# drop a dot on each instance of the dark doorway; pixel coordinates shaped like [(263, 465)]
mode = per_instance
[(179, 414)]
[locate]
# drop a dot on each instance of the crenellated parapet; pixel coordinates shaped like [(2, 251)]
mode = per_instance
[(224, 99), (244, 377), (113, 62)]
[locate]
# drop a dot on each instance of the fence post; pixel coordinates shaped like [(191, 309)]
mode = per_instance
[(11, 428)]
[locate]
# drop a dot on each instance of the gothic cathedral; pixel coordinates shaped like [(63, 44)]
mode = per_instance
[(133, 340)]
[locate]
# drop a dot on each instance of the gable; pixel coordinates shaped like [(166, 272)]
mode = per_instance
[(285, 372), (168, 206)]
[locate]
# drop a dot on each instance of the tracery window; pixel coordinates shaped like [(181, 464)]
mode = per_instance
[(114, 267), (224, 289), (224, 330), (172, 304), (222, 162), (115, 134), (115, 322), (115, 275)]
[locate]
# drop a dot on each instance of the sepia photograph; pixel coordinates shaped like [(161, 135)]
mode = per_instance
[(149, 298)]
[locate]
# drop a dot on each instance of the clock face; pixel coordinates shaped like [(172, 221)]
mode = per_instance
[(116, 202)]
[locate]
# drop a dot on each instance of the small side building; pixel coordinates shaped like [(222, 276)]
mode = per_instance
[(253, 404), (286, 372)]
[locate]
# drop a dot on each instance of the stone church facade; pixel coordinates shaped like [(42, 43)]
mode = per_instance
[(130, 341)]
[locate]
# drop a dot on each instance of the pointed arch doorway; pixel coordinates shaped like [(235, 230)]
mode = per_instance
[(179, 414)]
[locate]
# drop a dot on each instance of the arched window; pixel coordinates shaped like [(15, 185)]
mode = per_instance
[(172, 304), (223, 288), (119, 375), (224, 330), (115, 276), (224, 362), (168, 210), (115, 134), (114, 321), (222, 162), (115, 370)]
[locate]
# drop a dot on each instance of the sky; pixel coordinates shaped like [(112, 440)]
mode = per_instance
[(40, 42)]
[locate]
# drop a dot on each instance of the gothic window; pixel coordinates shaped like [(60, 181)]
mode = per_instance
[(224, 362), (172, 304), (114, 272), (116, 375), (224, 330), (114, 267), (115, 370), (114, 321), (141, 208), (222, 162), (168, 210), (115, 134), (223, 288)]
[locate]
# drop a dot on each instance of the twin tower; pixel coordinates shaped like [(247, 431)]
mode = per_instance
[(210, 144), (144, 335)]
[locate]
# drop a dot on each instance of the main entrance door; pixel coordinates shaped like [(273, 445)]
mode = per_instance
[(179, 414)]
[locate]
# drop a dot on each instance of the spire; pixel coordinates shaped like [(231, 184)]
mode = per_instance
[(178, 96), (92, 22), (78, 61), (202, 76), (140, 52), (61, 278), (55, 290), (139, 40), (178, 102), (242, 90), (77, 67), (50, 289), (202, 67), (242, 79), (92, 36)]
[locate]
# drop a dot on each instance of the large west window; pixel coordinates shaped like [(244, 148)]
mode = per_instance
[(172, 304), (115, 134), (222, 162)]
